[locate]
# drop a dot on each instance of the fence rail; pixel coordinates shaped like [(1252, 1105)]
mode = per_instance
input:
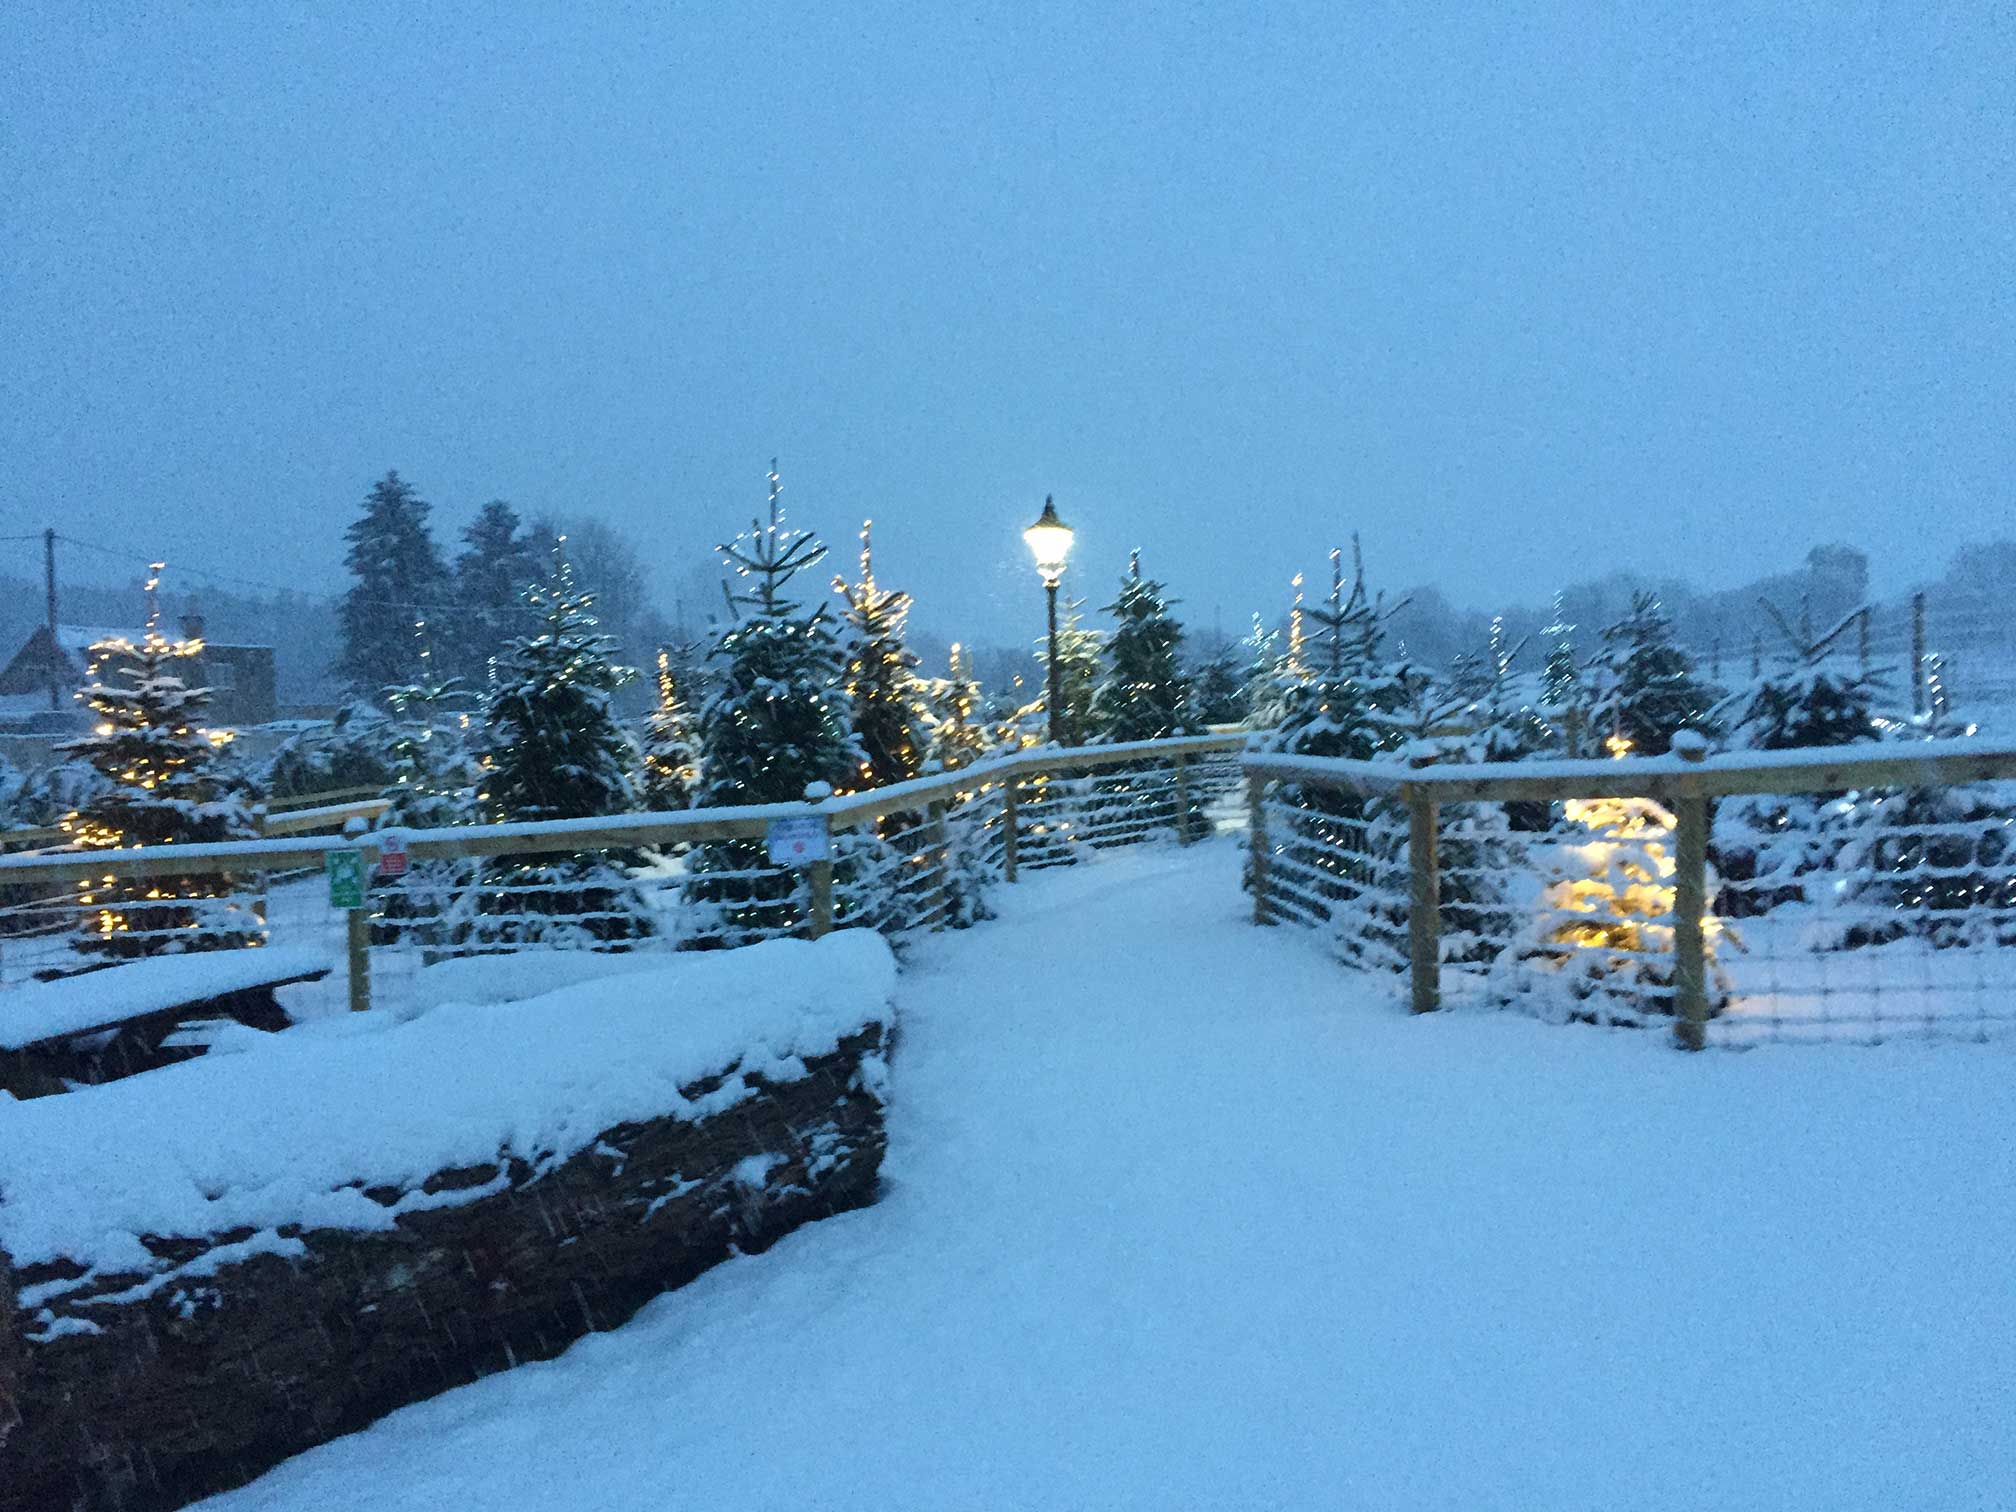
[(1863, 892), (915, 855)]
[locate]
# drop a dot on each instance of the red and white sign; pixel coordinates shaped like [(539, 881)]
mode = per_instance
[(391, 854)]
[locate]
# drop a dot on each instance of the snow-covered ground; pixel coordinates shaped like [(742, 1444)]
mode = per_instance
[(1181, 1214)]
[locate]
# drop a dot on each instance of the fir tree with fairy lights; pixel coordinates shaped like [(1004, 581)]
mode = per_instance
[(671, 756), (778, 720), (1564, 696), (1264, 694), (1080, 654), (554, 749), (959, 735), (165, 780), (881, 677), (1599, 949)]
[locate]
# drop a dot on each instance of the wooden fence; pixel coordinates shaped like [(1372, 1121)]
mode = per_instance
[(1002, 785), (1688, 787)]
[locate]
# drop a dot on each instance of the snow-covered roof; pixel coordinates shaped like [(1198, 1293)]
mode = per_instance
[(78, 639)]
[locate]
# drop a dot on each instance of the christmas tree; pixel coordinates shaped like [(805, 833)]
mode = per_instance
[(165, 780), (1218, 691), (1144, 694), (1766, 846), (554, 749), (1264, 694), (351, 752), (1563, 697), (671, 758), (1646, 687), (959, 734), (399, 577), (1339, 854), (432, 784), (1079, 655), (881, 677), (1600, 949), (779, 720)]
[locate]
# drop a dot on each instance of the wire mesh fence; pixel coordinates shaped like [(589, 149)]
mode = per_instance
[(1846, 914), (897, 864)]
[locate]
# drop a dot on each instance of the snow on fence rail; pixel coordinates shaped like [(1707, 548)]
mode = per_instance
[(915, 855), (1860, 893)]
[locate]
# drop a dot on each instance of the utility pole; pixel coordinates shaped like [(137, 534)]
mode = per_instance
[(49, 595)]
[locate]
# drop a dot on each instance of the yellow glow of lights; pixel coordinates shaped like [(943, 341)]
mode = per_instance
[(1619, 746)]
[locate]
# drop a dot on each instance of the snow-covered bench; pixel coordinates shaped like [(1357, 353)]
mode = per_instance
[(101, 1025)]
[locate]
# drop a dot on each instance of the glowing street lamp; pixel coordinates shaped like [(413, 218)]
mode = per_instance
[(1050, 542)]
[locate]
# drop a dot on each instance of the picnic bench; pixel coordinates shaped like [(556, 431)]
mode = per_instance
[(108, 1022)]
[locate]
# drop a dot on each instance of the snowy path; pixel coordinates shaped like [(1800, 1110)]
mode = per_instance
[(1213, 1225)]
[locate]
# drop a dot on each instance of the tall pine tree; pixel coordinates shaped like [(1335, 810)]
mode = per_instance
[(164, 780), (1080, 655), (399, 579), (556, 750), (498, 563), (1218, 691)]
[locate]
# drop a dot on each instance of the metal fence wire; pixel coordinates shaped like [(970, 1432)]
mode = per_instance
[(1860, 912), (924, 856)]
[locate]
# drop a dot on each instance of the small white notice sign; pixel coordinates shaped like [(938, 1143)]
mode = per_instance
[(798, 841)]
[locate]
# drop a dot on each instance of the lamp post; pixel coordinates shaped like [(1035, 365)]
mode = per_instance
[(1050, 542)]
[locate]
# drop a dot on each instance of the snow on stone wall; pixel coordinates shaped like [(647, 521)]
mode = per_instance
[(223, 1263)]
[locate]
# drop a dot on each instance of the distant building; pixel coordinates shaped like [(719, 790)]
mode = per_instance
[(240, 678)]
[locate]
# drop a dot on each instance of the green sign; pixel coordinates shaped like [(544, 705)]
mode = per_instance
[(346, 878)]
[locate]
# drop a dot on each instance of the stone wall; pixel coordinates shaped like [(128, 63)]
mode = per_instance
[(141, 1392)]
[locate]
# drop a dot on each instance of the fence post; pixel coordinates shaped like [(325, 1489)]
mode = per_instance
[(819, 875), (357, 921), (1690, 903), (1917, 653), (941, 842), (1010, 856), (1256, 842), (359, 952), (1424, 907), (1182, 765)]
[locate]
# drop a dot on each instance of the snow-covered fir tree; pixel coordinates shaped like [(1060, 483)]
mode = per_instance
[(1343, 851), (1218, 689), (164, 780), (671, 751), (1263, 693), (1937, 864), (1144, 693), (887, 697), (1600, 948), (959, 731), (1564, 696), (1768, 846), (399, 577), (1080, 657), (433, 783), (778, 720), (352, 751), (554, 749), (1646, 689), (497, 564)]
